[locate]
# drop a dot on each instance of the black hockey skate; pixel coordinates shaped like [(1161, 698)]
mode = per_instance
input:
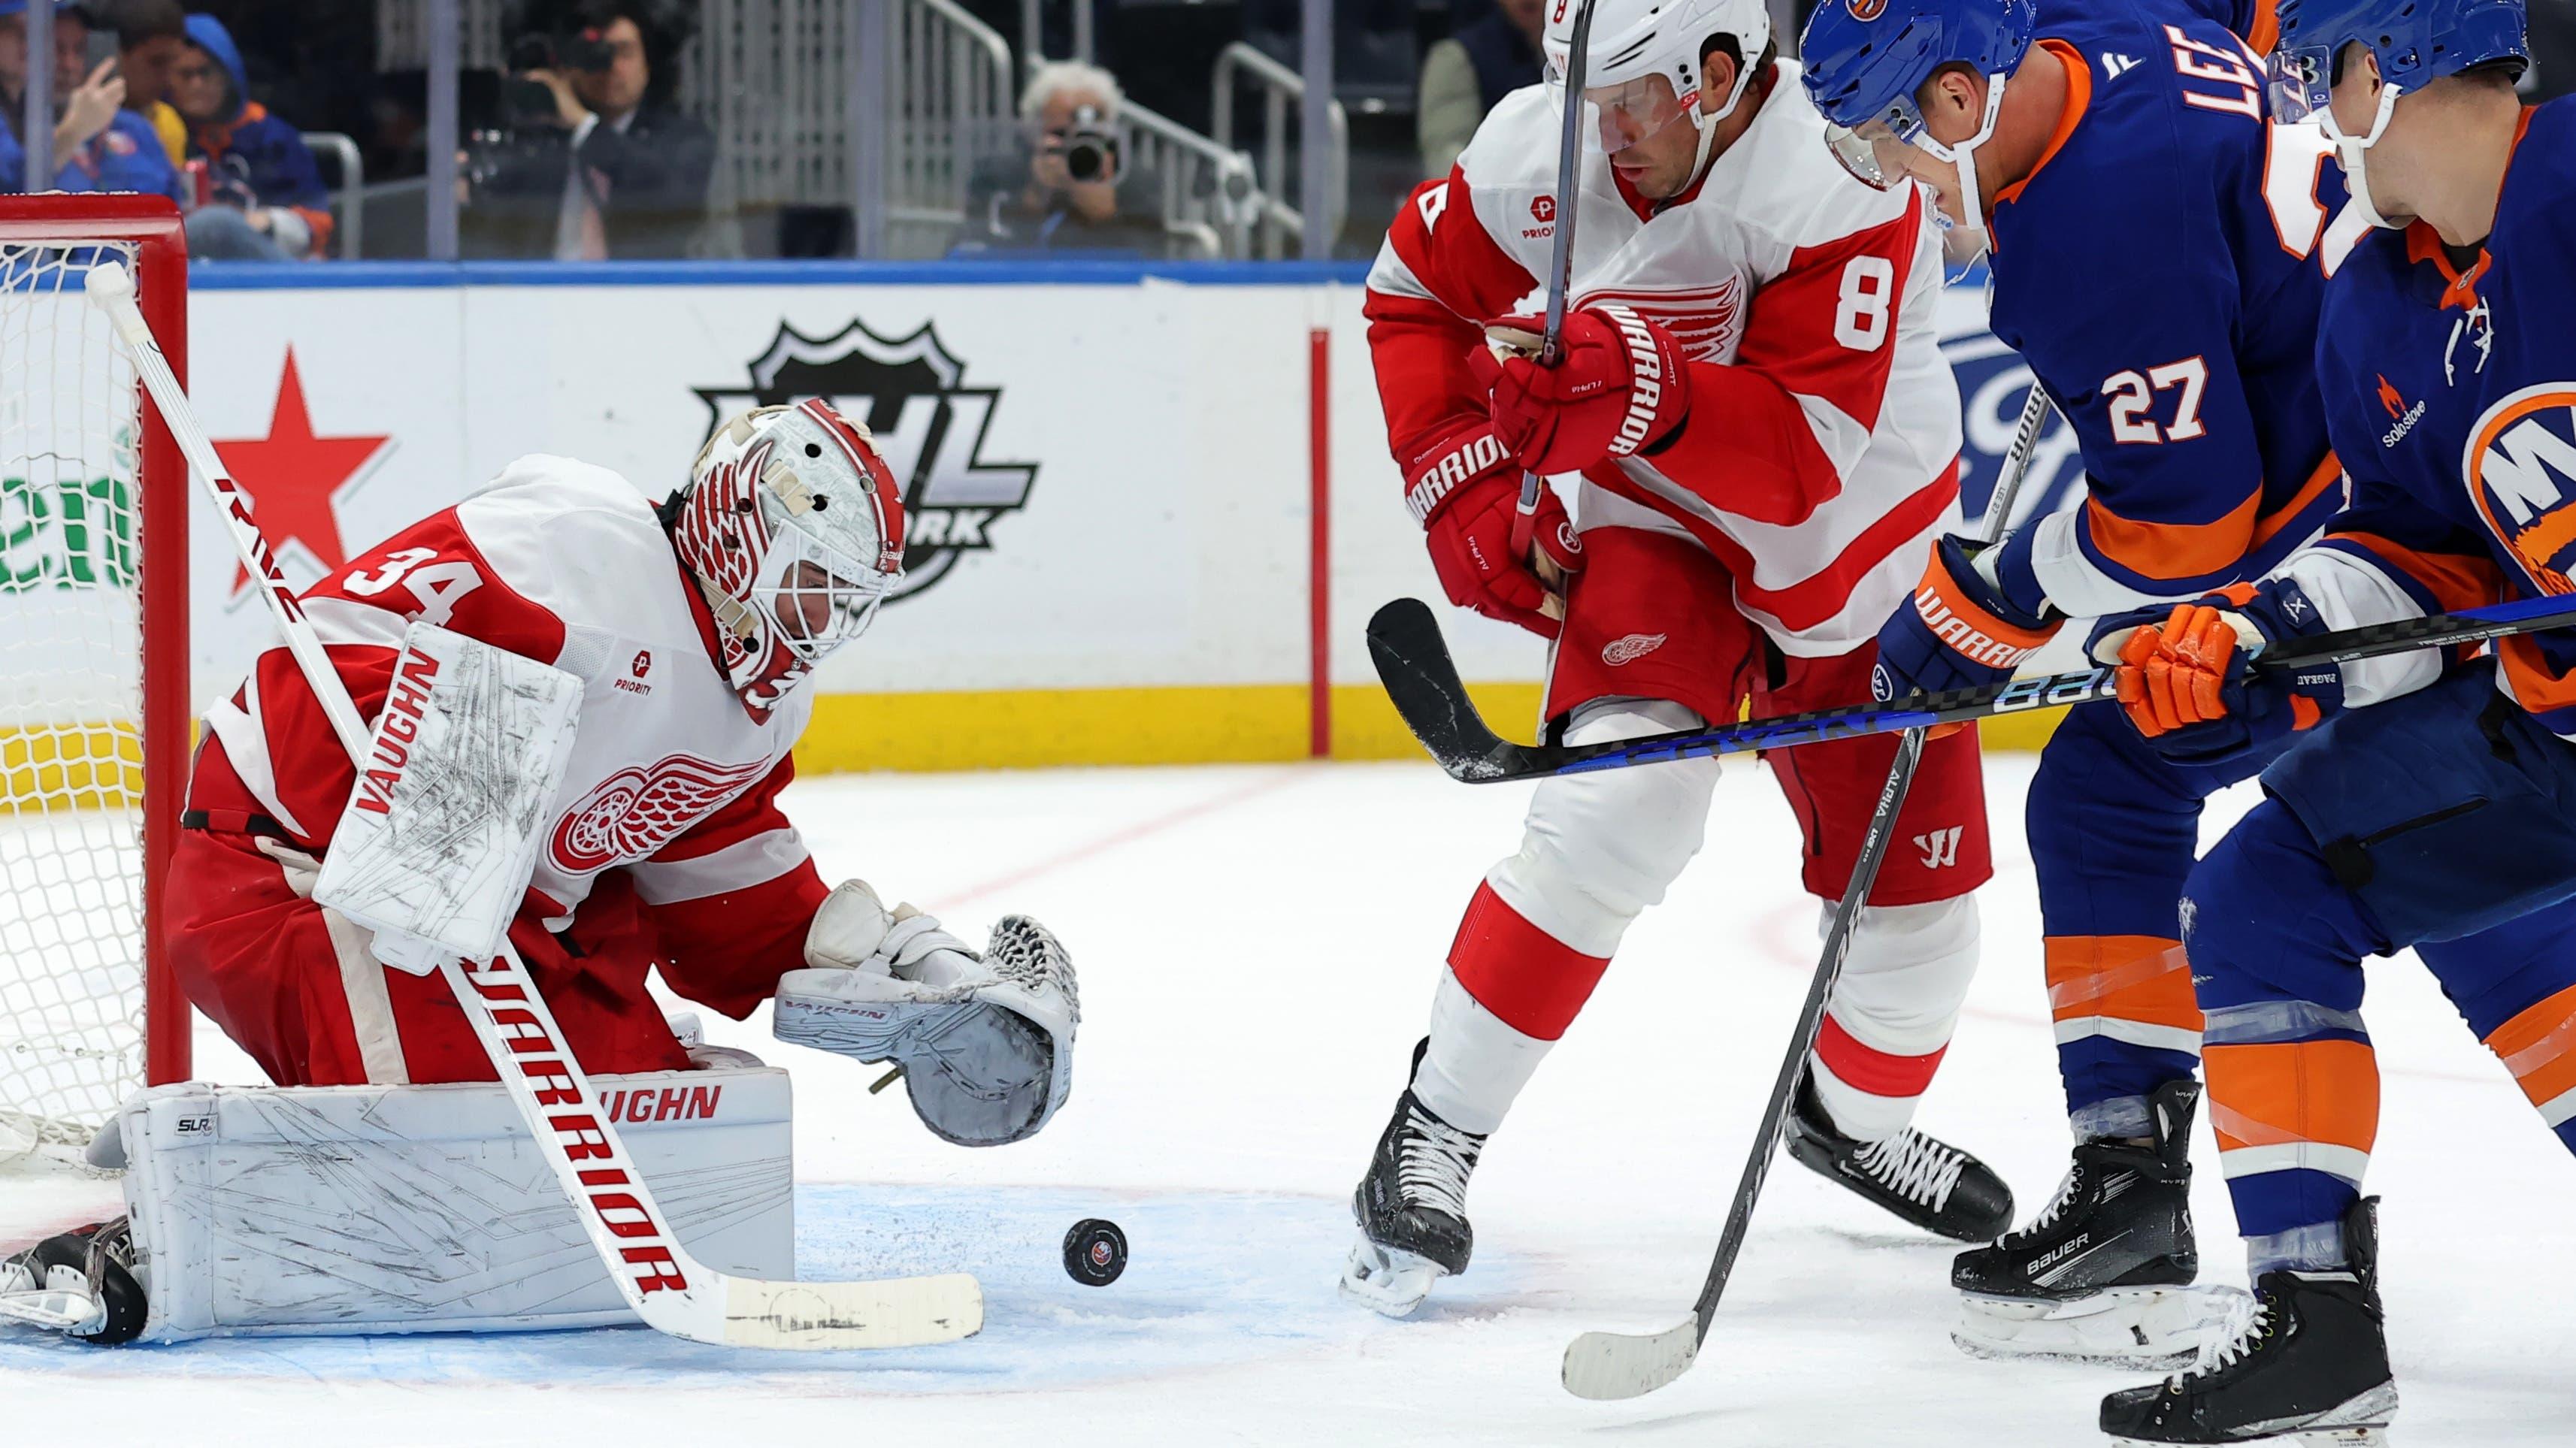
[(2309, 1366), (2104, 1273), (1412, 1209), (81, 1284), (1928, 1182)]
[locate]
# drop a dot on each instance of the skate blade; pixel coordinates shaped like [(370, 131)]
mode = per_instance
[(2359, 1422), (1388, 1280), (2148, 1328)]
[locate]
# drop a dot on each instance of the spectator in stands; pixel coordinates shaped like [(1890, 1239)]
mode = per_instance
[(615, 169), (149, 36), (98, 145), (1463, 76), (265, 200), (1066, 187)]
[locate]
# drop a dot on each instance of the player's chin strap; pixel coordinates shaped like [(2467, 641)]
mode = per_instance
[(2350, 150), (1964, 241)]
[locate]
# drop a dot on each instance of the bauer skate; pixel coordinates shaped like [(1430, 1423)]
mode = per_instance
[(2306, 1363), (81, 1284), (1412, 1210), (2104, 1273), (1928, 1182)]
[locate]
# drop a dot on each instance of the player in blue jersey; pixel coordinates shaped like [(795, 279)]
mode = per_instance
[(2158, 252), (2436, 806)]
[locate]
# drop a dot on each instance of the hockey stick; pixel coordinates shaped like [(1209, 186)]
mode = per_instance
[(662, 1283), (1413, 662), (1624, 1365), (1560, 276)]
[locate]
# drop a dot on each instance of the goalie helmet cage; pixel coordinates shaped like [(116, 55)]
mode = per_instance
[(94, 660)]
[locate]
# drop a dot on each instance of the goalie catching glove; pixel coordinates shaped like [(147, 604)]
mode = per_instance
[(985, 1041)]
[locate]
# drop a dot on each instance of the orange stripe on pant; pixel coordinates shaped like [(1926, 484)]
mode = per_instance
[(2278, 1106), (2143, 980), (2539, 1047)]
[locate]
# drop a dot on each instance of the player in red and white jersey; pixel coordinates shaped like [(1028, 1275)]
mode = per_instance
[(1761, 440), (692, 625)]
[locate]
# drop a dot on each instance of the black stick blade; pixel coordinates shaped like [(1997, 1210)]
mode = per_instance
[(1422, 682)]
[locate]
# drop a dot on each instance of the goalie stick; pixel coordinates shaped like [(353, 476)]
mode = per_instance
[(1624, 1365), (1560, 274), (1414, 664), (662, 1283)]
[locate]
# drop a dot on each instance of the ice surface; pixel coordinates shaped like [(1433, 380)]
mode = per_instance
[(1257, 948)]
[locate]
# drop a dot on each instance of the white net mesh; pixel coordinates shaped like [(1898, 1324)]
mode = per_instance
[(71, 758)]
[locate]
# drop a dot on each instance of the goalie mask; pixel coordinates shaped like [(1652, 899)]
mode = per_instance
[(793, 528)]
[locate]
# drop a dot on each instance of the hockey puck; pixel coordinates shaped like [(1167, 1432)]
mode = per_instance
[(1095, 1252)]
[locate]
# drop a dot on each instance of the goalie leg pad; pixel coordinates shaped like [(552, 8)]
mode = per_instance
[(388, 1209)]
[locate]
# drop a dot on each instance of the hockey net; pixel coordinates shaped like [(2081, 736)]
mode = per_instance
[(93, 672)]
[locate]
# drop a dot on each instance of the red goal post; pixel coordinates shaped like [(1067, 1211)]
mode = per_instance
[(94, 668)]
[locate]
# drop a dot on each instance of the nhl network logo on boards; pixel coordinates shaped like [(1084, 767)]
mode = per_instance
[(910, 391)]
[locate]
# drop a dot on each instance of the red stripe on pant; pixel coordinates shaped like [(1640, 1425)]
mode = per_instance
[(1866, 1068), (1535, 983)]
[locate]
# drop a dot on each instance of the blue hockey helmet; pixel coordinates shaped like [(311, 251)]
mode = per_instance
[(2415, 42), (1864, 60)]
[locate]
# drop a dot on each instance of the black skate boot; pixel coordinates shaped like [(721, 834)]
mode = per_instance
[(81, 1284), (1926, 1181), (2104, 1273), (2310, 1365), (1412, 1208)]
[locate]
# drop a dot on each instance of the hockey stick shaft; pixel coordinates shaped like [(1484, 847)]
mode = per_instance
[(662, 1283), (1424, 684), (1864, 878), (1560, 275)]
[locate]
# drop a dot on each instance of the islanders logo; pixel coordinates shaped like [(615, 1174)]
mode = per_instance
[(2520, 466), (1867, 9)]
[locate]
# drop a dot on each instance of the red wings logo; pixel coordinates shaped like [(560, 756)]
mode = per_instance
[(1705, 321), (637, 811)]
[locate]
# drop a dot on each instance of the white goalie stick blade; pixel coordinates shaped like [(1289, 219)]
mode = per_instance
[(1606, 1366), (898, 1312)]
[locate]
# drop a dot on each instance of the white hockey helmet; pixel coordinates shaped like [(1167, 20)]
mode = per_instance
[(792, 525), (1634, 41)]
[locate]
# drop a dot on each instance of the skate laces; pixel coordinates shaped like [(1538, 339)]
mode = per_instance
[(2068, 1188), (1433, 1162), (1914, 1166), (2231, 1339)]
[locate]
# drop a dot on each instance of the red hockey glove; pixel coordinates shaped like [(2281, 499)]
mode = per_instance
[(1463, 490), (1619, 387)]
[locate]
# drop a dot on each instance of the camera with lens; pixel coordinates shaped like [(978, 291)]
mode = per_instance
[(1090, 151), (529, 102)]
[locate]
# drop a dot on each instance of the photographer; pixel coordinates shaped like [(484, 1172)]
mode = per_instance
[(594, 161), (1067, 188)]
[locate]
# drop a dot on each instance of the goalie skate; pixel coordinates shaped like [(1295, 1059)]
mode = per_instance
[(81, 1284)]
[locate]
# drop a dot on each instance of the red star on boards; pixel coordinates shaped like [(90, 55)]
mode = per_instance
[(293, 477)]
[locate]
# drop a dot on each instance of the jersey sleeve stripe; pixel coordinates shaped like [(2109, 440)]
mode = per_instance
[(2438, 582), (2173, 559), (737, 866)]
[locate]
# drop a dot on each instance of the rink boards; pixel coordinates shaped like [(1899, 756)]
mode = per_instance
[(1151, 507)]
